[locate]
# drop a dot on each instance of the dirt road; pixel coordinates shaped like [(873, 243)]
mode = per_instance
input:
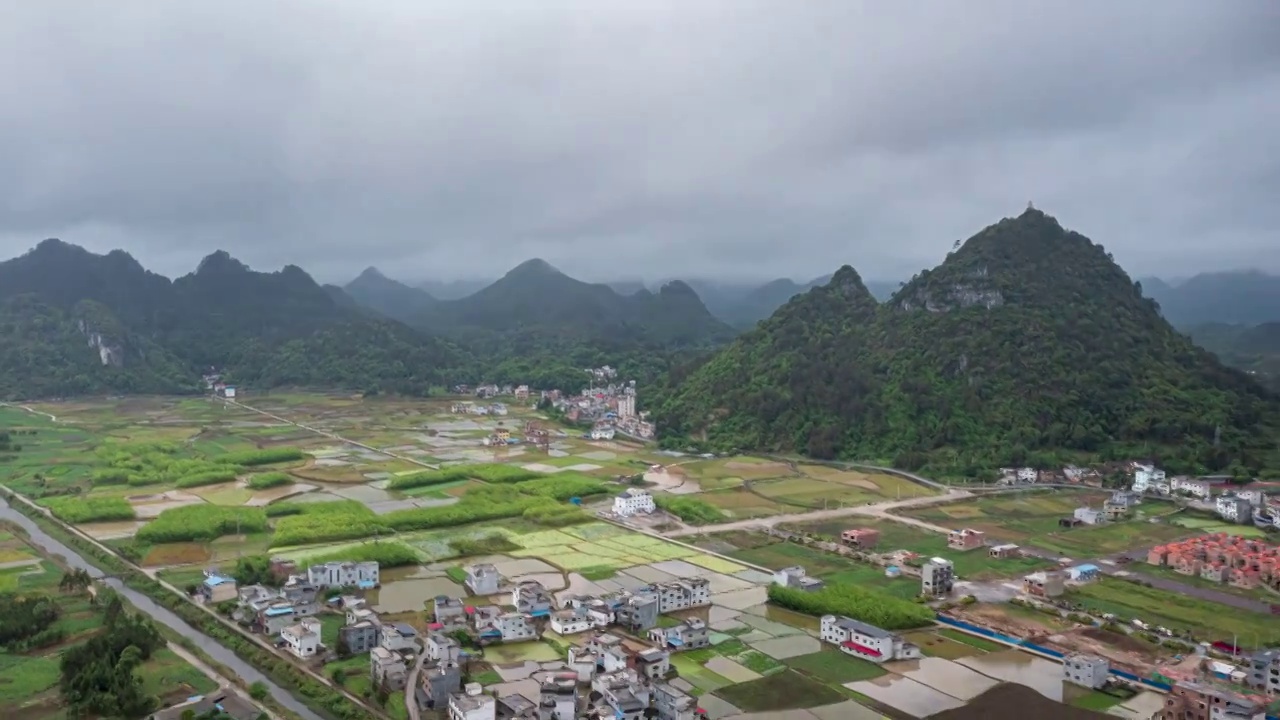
[(879, 511)]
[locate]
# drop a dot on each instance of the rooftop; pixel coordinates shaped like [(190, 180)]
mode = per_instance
[(861, 627)]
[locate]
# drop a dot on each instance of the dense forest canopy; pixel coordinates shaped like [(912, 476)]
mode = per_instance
[(1027, 345)]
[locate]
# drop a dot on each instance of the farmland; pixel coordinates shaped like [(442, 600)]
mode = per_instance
[(1178, 612), (1032, 519), (29, 677)]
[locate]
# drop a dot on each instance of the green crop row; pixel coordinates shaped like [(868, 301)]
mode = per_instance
[(253, 458), (208, 477), (690, 509), (76, 510), (563, 486), (386, 554), (430, 477), (262, 481), (854, 601), (202, 522), (328, 522)]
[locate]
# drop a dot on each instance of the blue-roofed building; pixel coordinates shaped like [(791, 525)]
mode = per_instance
[(1083, 573), (216, 588)]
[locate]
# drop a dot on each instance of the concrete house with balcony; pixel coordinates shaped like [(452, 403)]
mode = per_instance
[(866, 641), (386, 667), (303, 638), (483, 579), (691, 634)]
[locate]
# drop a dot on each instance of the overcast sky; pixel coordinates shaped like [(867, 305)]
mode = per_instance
[(648, 138)]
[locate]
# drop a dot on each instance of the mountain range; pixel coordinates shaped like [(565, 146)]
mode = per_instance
[(74, 322), (1027, 345)]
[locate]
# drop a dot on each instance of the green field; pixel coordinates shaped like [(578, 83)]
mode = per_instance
[(1031, 519), (781, 691), (832, 667), (29, 680), (832, 568), (973, 565), (1208, 621)]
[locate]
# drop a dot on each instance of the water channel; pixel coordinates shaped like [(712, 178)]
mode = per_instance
[(160, 614)]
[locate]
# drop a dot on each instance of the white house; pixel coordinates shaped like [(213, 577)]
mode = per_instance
[(363, 575), (866, 641), (1148, 478), (1091, 671), (1201, 489), (632, 501), (399, 637), (1233, 507), (472, 704), (680, 594), (302, 639), (604, 432), (515, 627), (571, 622)]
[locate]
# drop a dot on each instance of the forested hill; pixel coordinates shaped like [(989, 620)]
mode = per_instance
[(1028, 344), (73, 322)]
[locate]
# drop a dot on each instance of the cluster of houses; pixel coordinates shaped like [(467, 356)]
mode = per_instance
[(521, 393), (611, 409), (1032, 476), (1241, 504), (1208, 695), (1222, 558)]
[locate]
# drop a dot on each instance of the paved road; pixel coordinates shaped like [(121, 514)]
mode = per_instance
[(411, 685), (879, 510)]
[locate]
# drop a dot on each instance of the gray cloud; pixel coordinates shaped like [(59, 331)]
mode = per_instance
[(717, 138)]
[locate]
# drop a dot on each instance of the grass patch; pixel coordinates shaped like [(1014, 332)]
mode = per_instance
[(456, 574), (1206, 620), (690, 509), (201, 522), (488, 677), (598, 572), (263, 481), (77, 510), (759, 662), (972, 640), (1096, 701), (833, 667), (788, 690)]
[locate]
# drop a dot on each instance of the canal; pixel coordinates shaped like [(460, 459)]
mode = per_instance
[(159, 614)]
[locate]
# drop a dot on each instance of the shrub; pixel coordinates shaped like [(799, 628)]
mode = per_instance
[(253, 458), (487, 545), (856, 602), (110, 476), (690, 509), (202, 522), (77, 510), (556, 515), (386, 554), (208, 477), (500, 474), (284, 508), (463, 513), (563, 486), (328, 522), (262, 481), (430, 477)]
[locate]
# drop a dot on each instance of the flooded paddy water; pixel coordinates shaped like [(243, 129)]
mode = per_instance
[(905, 694), (1015, 666), (409, 589)]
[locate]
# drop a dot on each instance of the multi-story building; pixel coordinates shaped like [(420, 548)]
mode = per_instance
[(570, 621), (611, 655), (638, 612), (624, 693), (441, 648), (866, 641), (438, 682), (1189, 700), (399, 637), (1264, 671), (1091, 671), (362, 575), (531, 598), (796, 577), (1089, 516), (483, 579), (472, 704), (358, 639), (516, 707), (689, 635), (449, 613), (1047, 583), (516, 627), (387, 668), (1148, 478), (632, 501), (558, 696), (673, 703), (653, 663), (681, 594), (1233, 508), (937, 577), (1201, 489), (966, 539), (302, 639)]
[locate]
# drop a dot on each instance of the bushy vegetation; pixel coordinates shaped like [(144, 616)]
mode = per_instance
[(76, 510), (26, 621), (282, 509), (109, 476), (469, 510), (329, 522), (855, 602), (201, 522), (430, 477), (563, 486), (100, 677), (690, 509), (1027, 346), (262, 481), (254, 458), (387, 554), (208, 477), (500, 474), (556, 515)]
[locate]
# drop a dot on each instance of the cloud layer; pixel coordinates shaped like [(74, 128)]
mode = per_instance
[(655, 139)]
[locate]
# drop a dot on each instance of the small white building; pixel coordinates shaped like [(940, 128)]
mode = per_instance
[(1200, 489), (632, 501), (604, 432), (399, 636), (482, 579), (866, 641), (1091, 671), (302, 639), (796, 577), (1234, 508), (571, 622)]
